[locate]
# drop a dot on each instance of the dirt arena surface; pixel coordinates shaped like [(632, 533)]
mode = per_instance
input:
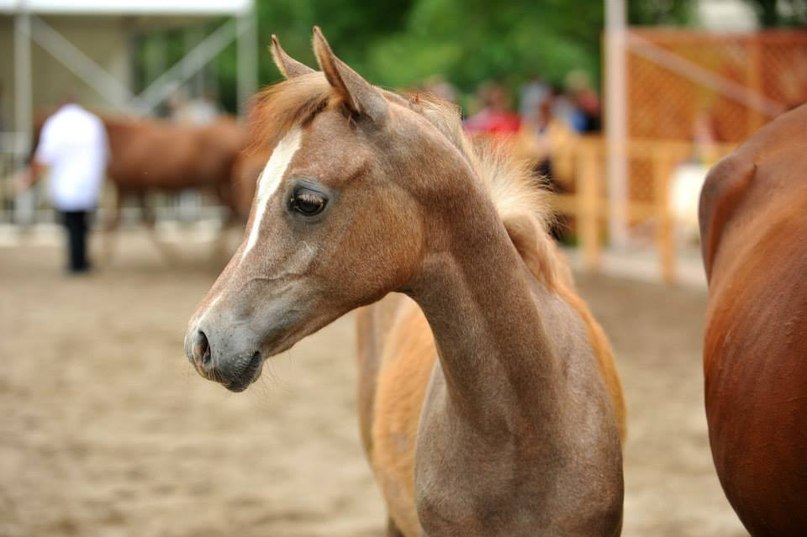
[(106, 431)]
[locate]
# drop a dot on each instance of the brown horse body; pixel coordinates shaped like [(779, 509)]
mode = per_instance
[(246, 171), (153, 155), (150, 155), (753, 219), (489, 400)]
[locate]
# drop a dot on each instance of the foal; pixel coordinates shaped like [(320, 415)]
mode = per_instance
[(489, 402)]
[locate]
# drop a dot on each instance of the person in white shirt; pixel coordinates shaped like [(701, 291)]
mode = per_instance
[(73, 147)]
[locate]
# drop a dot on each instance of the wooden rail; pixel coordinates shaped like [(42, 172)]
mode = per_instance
[(590, 205)]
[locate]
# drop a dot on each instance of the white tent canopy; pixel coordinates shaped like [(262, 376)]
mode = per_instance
[(128, 7), (84, 48), (90, 39)]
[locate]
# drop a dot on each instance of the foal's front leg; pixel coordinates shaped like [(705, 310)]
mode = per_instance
[(392, 529)]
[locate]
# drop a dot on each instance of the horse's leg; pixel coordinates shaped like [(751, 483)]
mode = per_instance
[(150, 221), (392, 529), (113, 220), (111, 225), (368, 337), (226, 196), (396, 358), (372, 323), (149, 218)]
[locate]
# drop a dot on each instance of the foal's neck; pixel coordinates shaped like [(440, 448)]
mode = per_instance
[(480, 301)]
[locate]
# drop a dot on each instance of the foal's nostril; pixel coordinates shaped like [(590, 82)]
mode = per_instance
[(201, 349)]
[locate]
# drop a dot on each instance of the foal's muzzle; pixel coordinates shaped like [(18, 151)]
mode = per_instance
[(229, 360)]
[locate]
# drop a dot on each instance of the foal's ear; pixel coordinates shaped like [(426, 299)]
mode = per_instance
[(359, 95), (288, 66)]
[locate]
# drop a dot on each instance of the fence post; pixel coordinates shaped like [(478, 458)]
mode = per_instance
[(588, 212), (665, 239), (754, 82), (616, 122)]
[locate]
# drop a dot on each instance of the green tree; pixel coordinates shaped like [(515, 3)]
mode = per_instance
[(780, 13), (468, 41), (402, 42), (399, 43), (659, 12)]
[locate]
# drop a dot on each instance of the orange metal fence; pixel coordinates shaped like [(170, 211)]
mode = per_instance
[(589, 203), (733, 82), (692, 96)]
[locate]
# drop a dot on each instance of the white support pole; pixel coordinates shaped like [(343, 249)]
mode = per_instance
[(23, 107), (247, 58), (155, 60), (616, 121), (190, 38), (181, 71), (25, 203), (107, 86), (212, 81)]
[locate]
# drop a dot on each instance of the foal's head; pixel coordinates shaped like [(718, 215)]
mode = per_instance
[(336, 222), (363, 189)]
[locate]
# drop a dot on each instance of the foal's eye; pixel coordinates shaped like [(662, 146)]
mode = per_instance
[(307, 202)]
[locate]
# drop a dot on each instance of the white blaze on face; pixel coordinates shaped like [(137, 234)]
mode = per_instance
[(270, 180)]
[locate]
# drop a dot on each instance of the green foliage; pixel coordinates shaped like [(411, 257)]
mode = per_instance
[(660, 12), (401, 43), (352, 27), (471, 41), (780, 13)]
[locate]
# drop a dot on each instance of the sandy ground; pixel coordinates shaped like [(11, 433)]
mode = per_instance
[(106, 431)]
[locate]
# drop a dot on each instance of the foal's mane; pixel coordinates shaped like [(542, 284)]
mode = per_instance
[(518, 198)]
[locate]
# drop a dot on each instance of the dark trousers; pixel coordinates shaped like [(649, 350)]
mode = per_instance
[(77, 224)]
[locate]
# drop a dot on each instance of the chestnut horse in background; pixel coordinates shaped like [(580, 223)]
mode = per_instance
[(753, 222), (489, 399), (247, 169), (149, 155), (152, 155)]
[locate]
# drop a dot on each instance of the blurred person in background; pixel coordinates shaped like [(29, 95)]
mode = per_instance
[(186, 111), (687, 178), (532, 94), (544, 138), (203, 109), (586, 101), (441, 88), (177, 106), (564, 109), (496, 116), (74, 150)]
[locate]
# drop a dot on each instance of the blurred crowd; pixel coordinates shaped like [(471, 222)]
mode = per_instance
[(574, 104), (542, 129)]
